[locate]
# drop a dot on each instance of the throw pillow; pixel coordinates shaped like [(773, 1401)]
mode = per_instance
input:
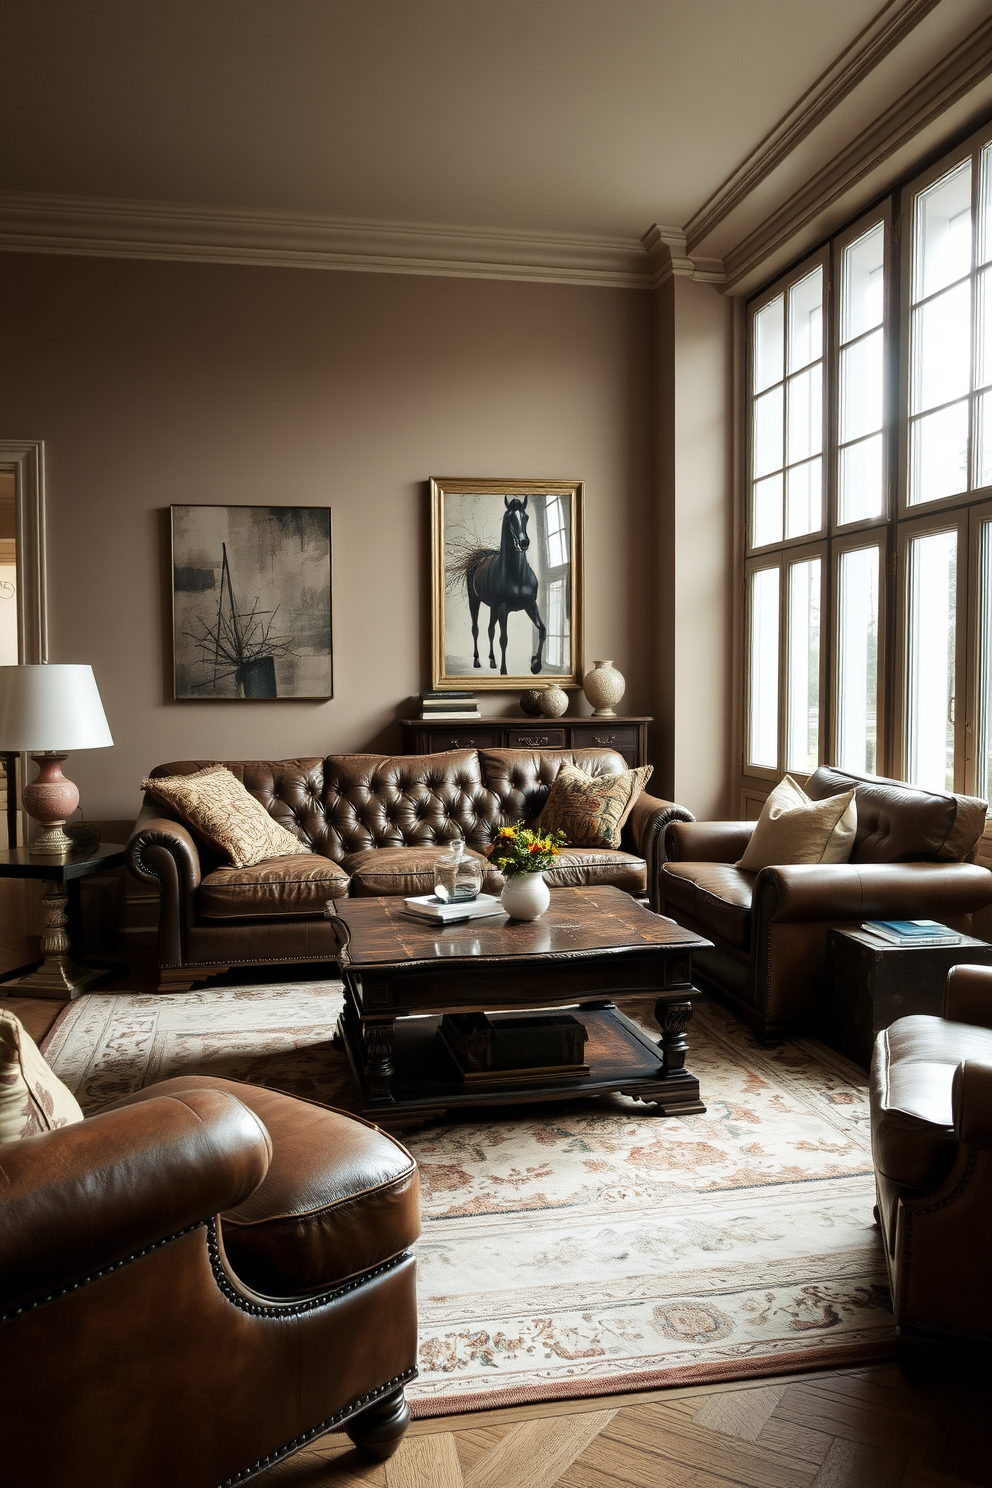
[(591, 809), (792, 828), (226, 815), (32, 1098)]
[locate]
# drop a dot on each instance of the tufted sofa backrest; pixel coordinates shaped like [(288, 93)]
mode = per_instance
[(406, 800), (899, 823), (348, 802)]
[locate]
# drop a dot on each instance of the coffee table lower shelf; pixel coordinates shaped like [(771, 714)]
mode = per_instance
[(425, 1082)]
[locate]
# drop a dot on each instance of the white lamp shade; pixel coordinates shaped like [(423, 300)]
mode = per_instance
[(48, 706)]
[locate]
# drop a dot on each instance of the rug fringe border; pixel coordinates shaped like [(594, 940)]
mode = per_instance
[(724, 1372)]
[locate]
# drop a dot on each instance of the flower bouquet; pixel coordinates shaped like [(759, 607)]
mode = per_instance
[(518, 850), (521, 855)]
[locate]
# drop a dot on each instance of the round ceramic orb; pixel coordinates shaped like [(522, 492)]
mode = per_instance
[(530, 702), (604, 686), (553, 700)]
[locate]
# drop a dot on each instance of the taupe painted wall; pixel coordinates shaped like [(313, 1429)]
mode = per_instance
[(153, 383)]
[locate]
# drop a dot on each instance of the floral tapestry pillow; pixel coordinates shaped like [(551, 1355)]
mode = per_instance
[(591, 809), (32, 1098), (226, 815)]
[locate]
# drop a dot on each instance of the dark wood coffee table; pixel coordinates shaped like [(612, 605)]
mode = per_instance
[(590, 947)]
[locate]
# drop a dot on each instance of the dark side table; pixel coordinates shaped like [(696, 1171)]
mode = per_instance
[(59, 975), (871, 983)]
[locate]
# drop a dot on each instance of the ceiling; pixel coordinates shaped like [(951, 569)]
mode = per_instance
[(553, 117)]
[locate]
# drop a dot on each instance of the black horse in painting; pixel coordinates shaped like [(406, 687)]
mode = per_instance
[(505, 581)]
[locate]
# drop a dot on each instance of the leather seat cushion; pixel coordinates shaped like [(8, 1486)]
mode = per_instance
[(297, 885), (912, 1121), (340, 1197), (405, 870), (717, 895), (581, 867)]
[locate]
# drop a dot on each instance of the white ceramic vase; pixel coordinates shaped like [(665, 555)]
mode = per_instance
[(604, 686), (526, 896)]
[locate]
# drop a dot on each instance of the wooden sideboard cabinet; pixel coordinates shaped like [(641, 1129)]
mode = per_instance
[(628, 736)]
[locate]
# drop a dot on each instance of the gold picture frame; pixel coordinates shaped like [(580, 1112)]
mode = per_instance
[(507, 562)]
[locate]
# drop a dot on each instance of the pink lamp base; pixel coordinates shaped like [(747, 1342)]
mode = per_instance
[(50, 799)]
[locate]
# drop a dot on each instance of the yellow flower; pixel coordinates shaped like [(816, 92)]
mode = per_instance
[(508, 833)]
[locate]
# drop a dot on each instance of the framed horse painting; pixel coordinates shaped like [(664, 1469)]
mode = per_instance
[(507, 583)]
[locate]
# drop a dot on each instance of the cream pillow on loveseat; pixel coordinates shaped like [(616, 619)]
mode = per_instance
[(32, 1097), (793, 828)]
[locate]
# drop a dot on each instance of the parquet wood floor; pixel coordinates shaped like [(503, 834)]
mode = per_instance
[(877, 1427)]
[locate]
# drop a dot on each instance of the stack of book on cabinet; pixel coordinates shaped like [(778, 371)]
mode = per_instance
[(913, 932), (450, 705)]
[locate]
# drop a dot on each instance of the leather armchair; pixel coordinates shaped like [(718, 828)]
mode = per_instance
[(197, 1281), (931, 1119), (769, 929)]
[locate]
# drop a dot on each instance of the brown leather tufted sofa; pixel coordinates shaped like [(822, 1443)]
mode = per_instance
[(931, 1134), (911, 860), (196, 1281), (375, 824)]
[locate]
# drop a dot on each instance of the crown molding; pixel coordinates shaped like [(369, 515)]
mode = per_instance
[(874, 43), (37, 223), (668, 258), (949, 80)]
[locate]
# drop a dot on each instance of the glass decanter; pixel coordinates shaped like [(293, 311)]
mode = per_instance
[(457, 877)]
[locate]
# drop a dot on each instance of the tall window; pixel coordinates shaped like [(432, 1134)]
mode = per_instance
[(868, 536)]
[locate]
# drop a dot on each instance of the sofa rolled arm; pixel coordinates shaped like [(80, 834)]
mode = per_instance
[(806, 892), (645, 827), (971, 1102), (707, 842), (82, 1198), (154, 833), (968, 995)]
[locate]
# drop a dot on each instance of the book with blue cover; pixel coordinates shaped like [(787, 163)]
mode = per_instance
[(913, 932)]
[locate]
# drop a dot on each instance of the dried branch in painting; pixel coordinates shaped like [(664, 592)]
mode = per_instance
[(242, 641)]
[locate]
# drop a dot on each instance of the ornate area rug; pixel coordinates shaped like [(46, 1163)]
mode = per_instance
[(588, 1247)]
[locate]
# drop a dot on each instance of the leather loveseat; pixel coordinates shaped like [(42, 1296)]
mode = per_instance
[(198, 1280), (375, 825), (912, 859), (931, 1135)]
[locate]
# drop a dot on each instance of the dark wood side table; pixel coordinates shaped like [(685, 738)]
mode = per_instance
[(871, 983), (628, 736), (59, 975)]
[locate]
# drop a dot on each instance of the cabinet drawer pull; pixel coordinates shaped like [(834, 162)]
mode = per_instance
[(604, 738), (533, 741), (459, 741)]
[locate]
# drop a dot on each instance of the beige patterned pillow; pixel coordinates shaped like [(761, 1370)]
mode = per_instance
[(32, 1098), (792, 828), (226, 815), (591, 809)]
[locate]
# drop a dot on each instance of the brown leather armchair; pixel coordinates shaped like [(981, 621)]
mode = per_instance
[(911, 860), (931, 1127), (197, 1281)]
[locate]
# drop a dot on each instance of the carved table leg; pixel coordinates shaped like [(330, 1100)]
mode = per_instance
[(379, 1057), (59, 975), (673, 1018), (378, 1430)]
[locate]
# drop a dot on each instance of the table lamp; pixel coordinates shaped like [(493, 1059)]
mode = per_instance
[(48, 709)]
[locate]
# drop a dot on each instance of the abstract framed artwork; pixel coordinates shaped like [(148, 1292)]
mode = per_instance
[(251, 602), (507, 583)]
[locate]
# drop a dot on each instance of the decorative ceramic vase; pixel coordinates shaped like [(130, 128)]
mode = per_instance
[(530, 702), (457, 877), (526, 896), (553, 700), (604, 686)]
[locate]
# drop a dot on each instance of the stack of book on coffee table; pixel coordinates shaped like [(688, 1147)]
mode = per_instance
[(450, 705)]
